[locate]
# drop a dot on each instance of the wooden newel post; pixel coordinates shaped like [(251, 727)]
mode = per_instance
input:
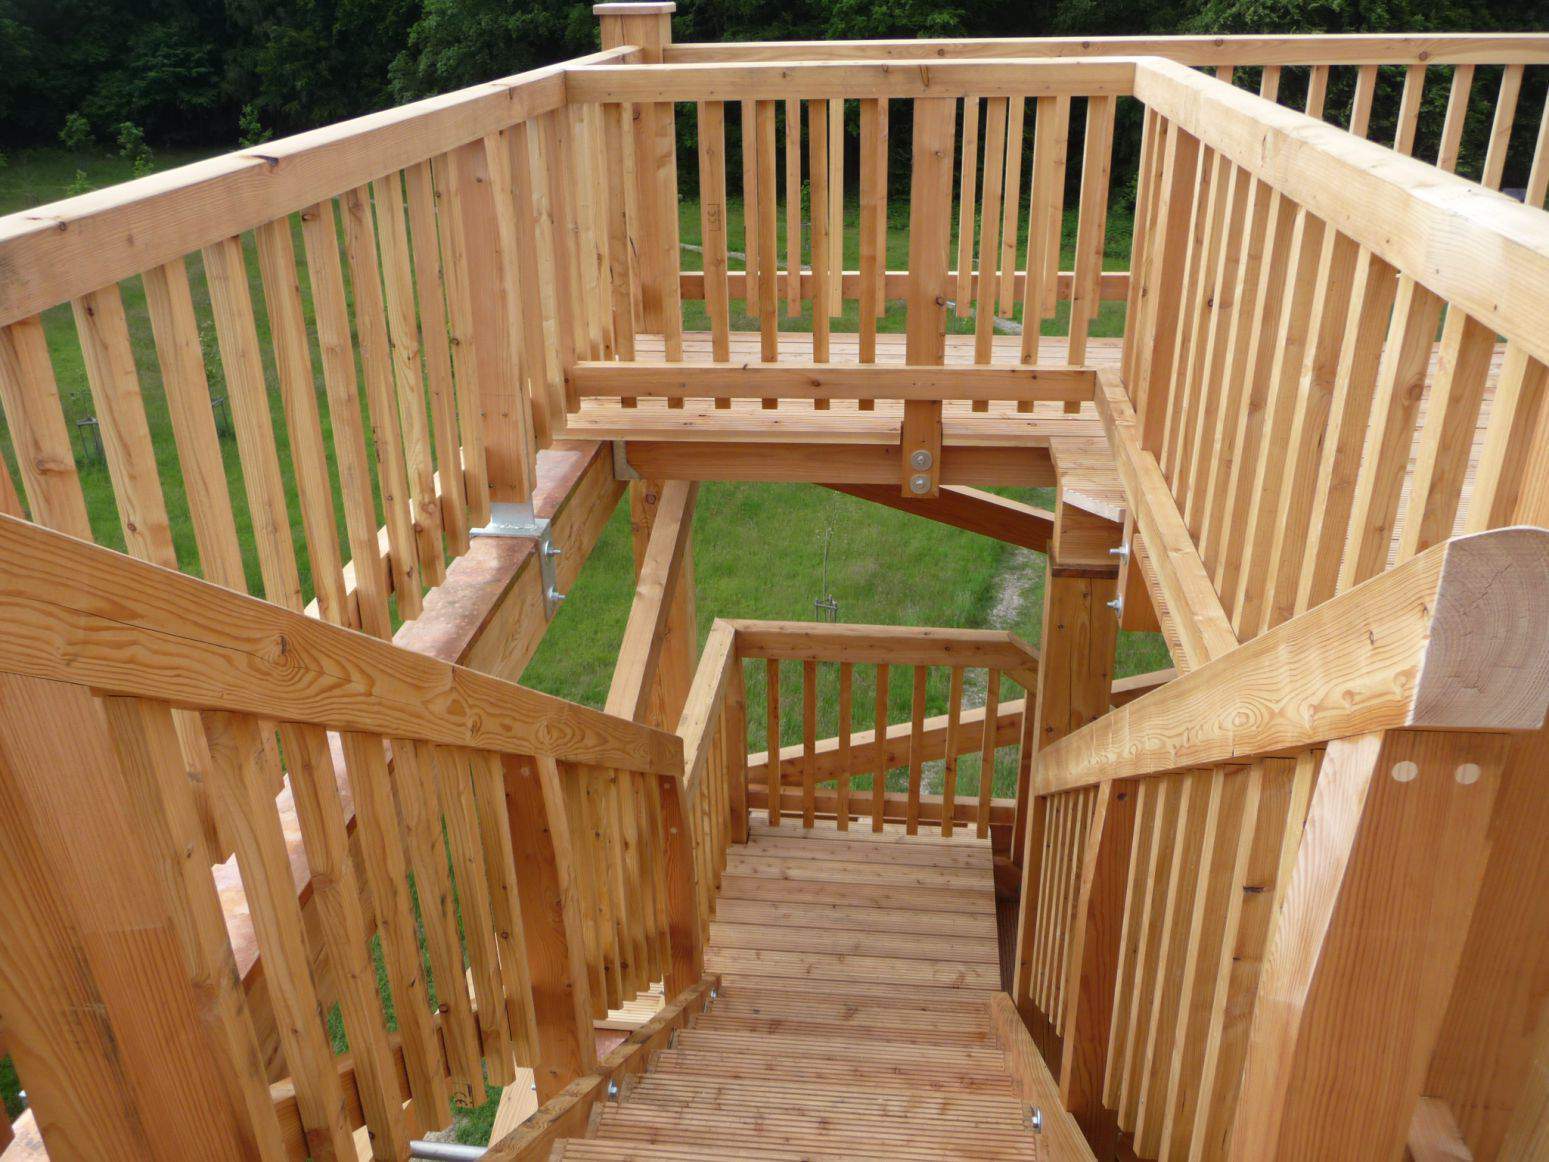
[(653, 159)]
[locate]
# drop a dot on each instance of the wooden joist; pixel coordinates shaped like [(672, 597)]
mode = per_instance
[(971, 509), (825, 381)]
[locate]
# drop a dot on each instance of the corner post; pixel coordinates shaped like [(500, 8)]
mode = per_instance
[(654, 205)]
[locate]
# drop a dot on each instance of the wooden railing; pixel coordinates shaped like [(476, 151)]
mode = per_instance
[(794, 782), (492, 822)]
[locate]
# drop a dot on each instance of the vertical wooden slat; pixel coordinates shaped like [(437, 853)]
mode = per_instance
[(1500, 127), (736, 743), (408, 374), (1509, 469), (1203, 240), (241, 787), (987, 751), (386, 873), (617, 221), (452, 234), (664, 164), (587, 178), (809, 735), (336, 896), (583, 875), (836, 206), (303, 425), (1041, 207), (793, 295), (36, 422), (930, 209), (879, 737), (555, 147), (768, 239), (1361, 102), (1055, 226), (1317, 91), (1012, 206), (775, 777), (916, 748), (884, 149), (126, 436), (176, 329), (752, 214), (989, 235), (1538, 176), (949, 764), (429, 282), (1093, 225), (712, 211), (1457, 114), (375, 361), (846, 678), (540, 357), (872, 233), (968, 172), (1409, 109), (319, 235), (822, 244)]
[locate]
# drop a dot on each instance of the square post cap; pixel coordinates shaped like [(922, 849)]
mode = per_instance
[(662, 7)]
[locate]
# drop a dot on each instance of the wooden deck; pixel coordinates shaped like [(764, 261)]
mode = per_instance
[(855, 1016)]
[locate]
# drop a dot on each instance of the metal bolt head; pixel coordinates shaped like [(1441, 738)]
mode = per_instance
[(553, 551), (1117, 605), (1119, 551), (555, 595), (1035, 1119), (919, 484), (613, 1088), (921, 459)]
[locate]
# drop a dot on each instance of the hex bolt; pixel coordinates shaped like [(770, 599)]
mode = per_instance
[(1121, 551), (919, 484), (555, 595), (1117, 605)]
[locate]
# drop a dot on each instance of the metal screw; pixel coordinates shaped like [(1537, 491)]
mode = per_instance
[(921, 459), (555, 595), (553, 551), (920, 483), (1117, 605), (1035, 1119), (1121, 551)]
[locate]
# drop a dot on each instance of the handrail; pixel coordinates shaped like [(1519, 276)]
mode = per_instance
[(79, 613), (1456, 638)]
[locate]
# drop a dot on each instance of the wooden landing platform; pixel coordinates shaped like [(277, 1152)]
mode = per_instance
[(860, 1015)]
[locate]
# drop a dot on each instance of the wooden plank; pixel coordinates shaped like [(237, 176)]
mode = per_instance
[(836, 136), (44, 454), (768, 242), (772, 733), (986, 753), (873, 230), (1400, 822), (822, 241), (1092, 229), (218, 649), (879, 730), (617, 202), (1272, 693), (793, 199), (712, 210), (1034, 1083), (987, 283), (823, 381), (898, 645), (930, 206), (1012, 205), (949, 759), (809, 730), (1042, 206), (916, 746), (968, 176)]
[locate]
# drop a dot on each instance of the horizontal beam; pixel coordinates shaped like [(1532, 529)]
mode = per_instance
[(895, 806), (832, 463), (1456, 638), (1126, 690), (778, 80), (57, 252), (78, 613), (863, 745), (1469, 245), (970, 509), (896, 645), (1249, 50), (806, 380), (1112, 285)]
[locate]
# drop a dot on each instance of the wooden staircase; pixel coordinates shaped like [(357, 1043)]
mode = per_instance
[(859, 1015)]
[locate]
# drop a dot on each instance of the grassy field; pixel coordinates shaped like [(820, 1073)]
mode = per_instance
[(759, 548)]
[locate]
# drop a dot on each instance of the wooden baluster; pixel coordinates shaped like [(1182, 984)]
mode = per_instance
[(429, 282), (583, 873), (793, 287), (1011, 207), (1538, 176), (879, 742), (242, 777), (809, 729), (44, 454), (1092, 228), (408, 374), (712, 212), (1409, 109), (1500, 127), (1054, 242), (375, 361), (10, 499), (1361, 103), (554, 140), (930, 208), (916, 748), (836, 206), (1041, 208), (987, 751), (1457, 114), (776, 776), (617, 223), (873, 232), (1147, 193), (735, 741), (846, 677), (517, 214), (883, 146), (303, 425), (319, 235), (1509, 471), (1127, 968), (1203, 237), (451, 232), (768, 241), (989, 235), (949, 764), (1269, 83), (1317, 91), (587, 183), (752, 214), (822, 244), (968, 172)]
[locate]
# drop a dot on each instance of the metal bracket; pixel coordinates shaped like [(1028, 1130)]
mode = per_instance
[(509, 519), (622, 469)]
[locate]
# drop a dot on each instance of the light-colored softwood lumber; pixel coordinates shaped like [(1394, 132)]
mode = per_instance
[(895, 806), (1346, 1018), (1412, 647), (87, 615), (1128, 689), (897, 645), (1498, 249), (566, 1114), (1034, 1083), (971, 509), (851, 463), (776, 81), (930, 210), (1112, 285), (825, 381)]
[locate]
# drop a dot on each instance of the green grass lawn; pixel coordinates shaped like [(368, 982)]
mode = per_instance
[(758, 547)]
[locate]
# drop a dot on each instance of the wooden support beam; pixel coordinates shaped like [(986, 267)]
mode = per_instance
[(970, 509), (895, 809), (1367, 945), (897, 645), (848, 463), (1126, 690), (1112, 285), (827, 381), (1409, 648)]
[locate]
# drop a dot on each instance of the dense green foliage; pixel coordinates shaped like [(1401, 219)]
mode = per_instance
[(212, 72)]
